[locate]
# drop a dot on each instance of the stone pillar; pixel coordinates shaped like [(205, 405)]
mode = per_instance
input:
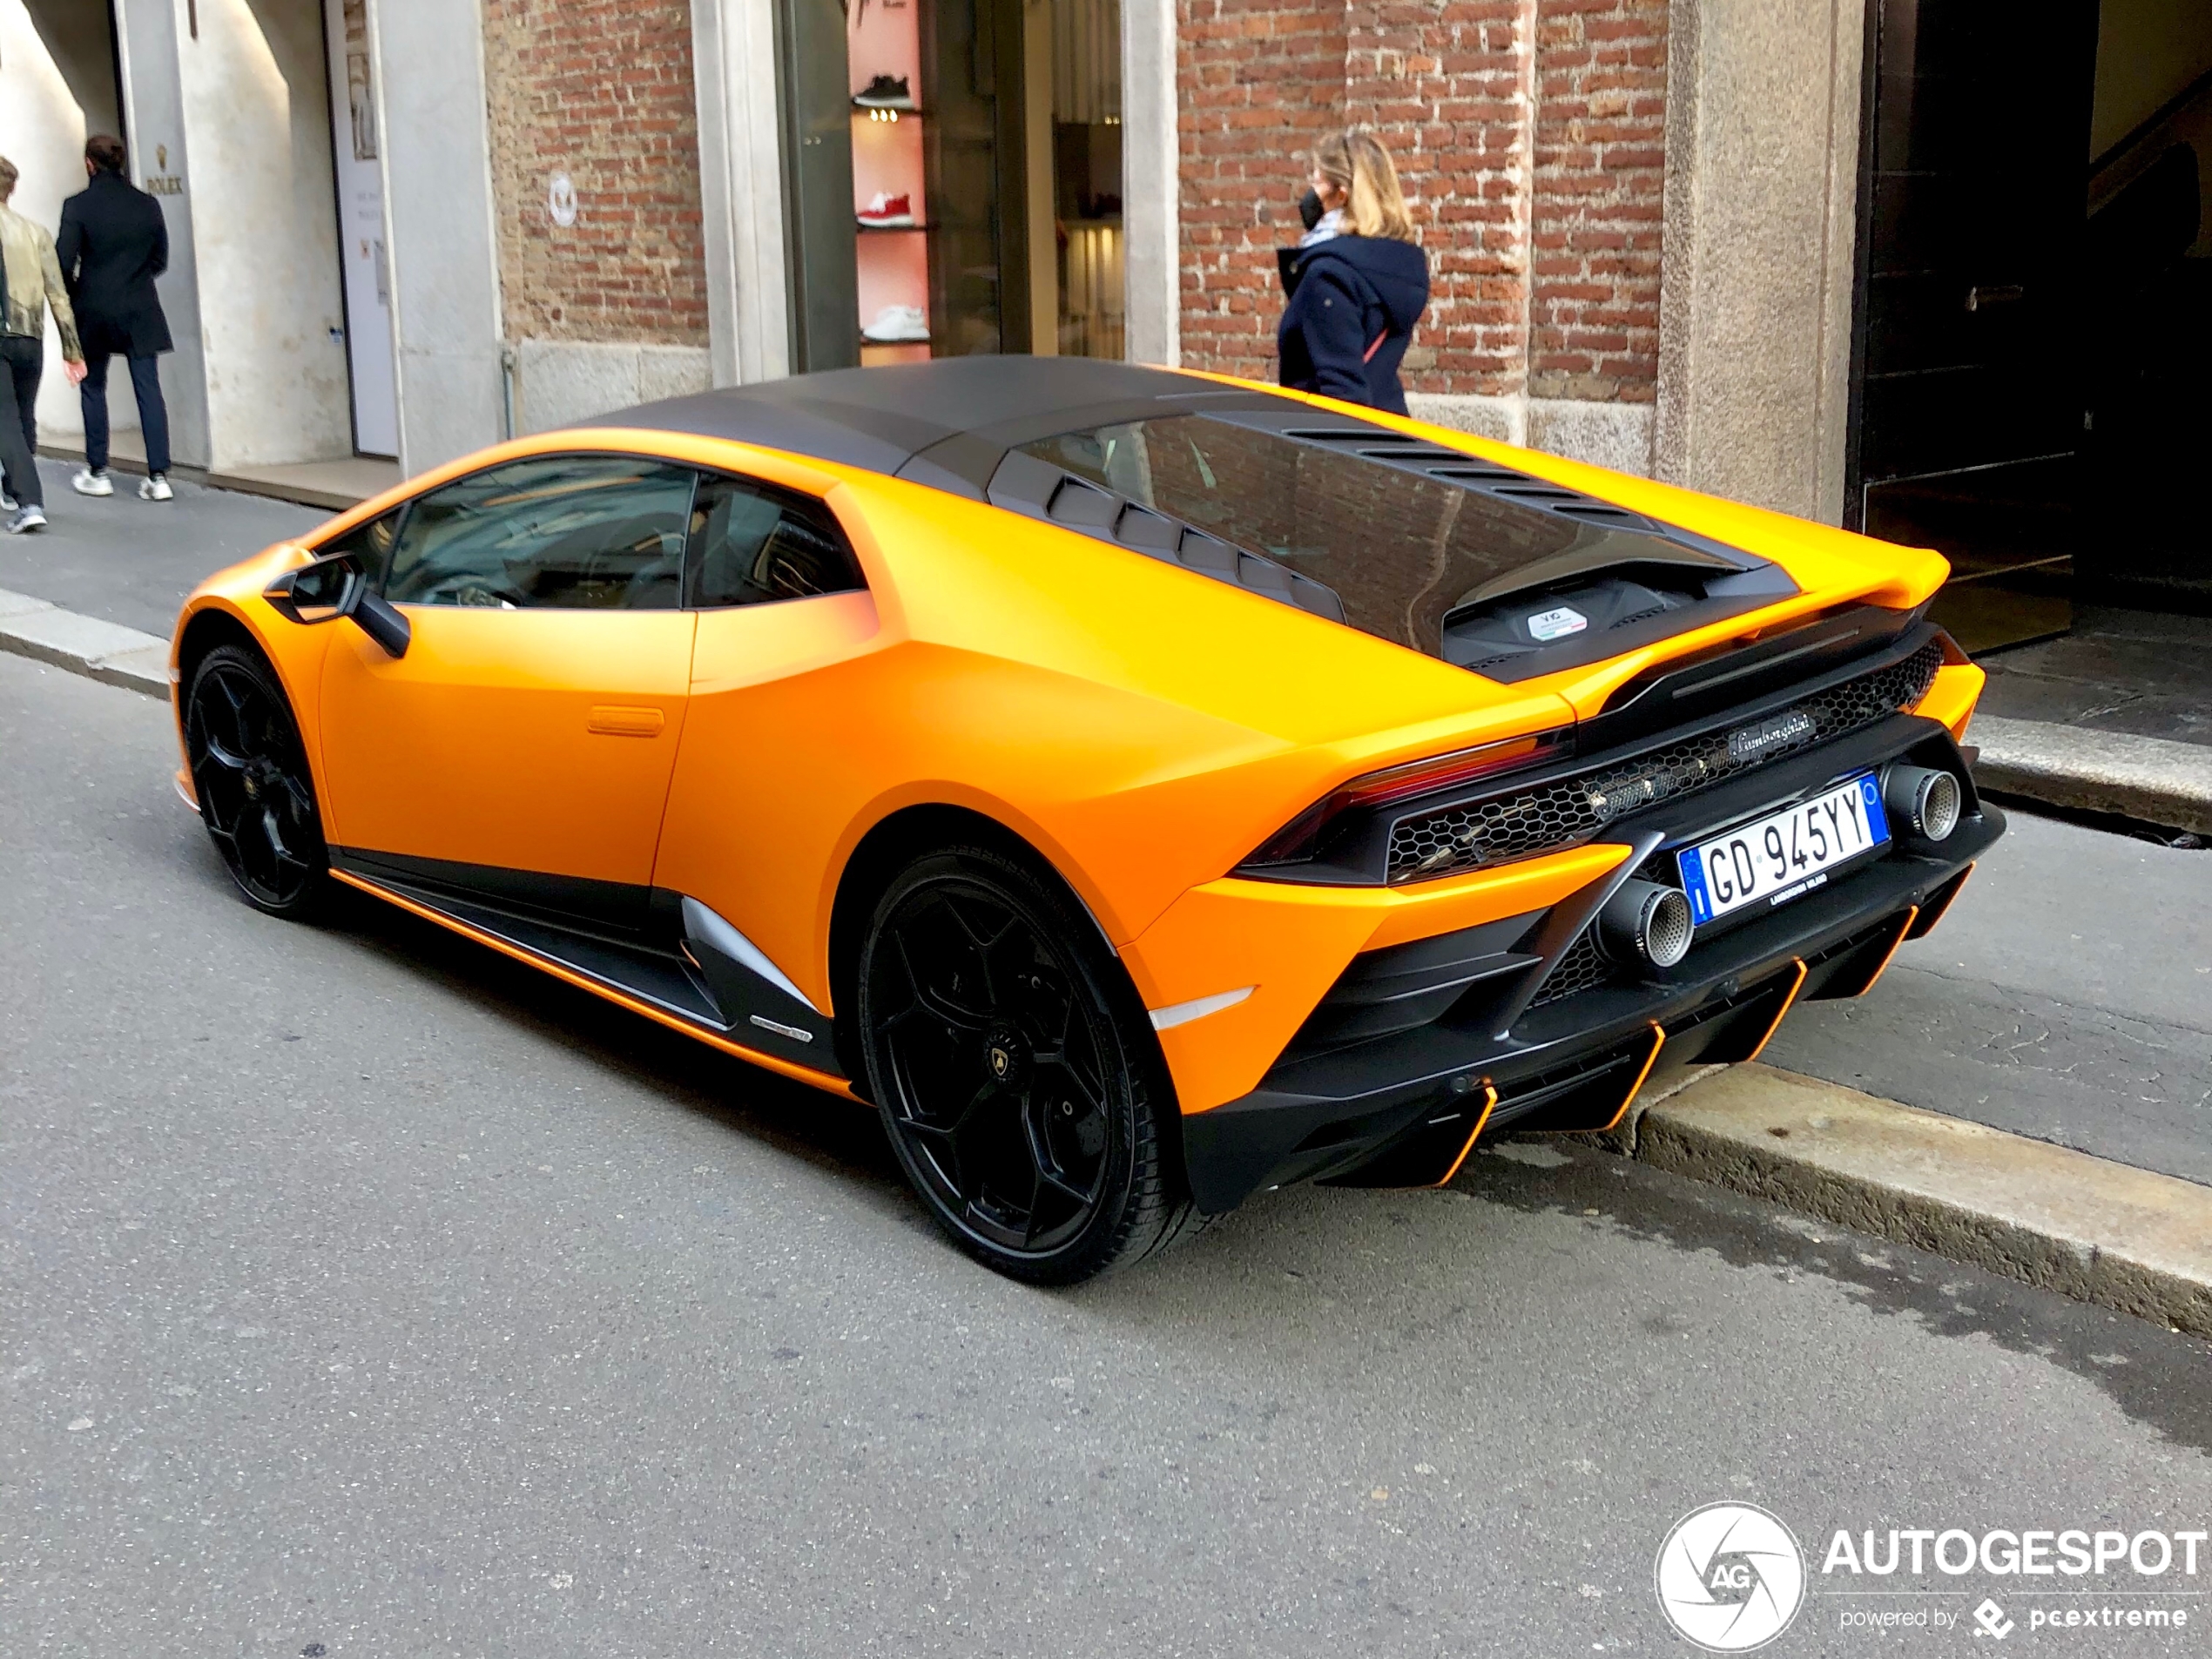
[(1763, 108), (1151, 154), (741, 193), (153, 116)]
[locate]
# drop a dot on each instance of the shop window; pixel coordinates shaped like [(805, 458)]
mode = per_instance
[(954, 168)]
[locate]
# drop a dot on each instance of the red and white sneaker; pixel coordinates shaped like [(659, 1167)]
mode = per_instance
[(888, 213)]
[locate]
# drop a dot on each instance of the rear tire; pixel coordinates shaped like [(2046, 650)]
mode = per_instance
[(1021, 1093), (256, 794)]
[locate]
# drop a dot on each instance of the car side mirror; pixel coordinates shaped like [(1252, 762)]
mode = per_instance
[(338, 586)]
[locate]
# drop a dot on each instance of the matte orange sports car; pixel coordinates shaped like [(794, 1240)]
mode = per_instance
[(1144, 789)]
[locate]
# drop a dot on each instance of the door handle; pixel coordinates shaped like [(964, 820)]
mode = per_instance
[(2003, 293), (624, 723)]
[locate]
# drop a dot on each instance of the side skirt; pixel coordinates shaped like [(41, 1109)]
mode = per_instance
[(642, 988)]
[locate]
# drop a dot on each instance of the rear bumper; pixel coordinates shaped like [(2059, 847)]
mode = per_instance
[(1403, 1108)]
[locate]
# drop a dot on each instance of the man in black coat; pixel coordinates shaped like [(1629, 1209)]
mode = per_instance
[(113, 243)]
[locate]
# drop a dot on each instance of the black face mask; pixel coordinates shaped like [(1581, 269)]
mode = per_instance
[(1309, 207)]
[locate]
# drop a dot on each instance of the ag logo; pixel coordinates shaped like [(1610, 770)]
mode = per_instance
[(1731, 1577)]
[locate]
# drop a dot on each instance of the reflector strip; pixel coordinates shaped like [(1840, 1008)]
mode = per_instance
[(1197, 1007)]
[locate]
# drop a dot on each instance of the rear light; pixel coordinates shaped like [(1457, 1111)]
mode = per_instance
[(1310, 830)]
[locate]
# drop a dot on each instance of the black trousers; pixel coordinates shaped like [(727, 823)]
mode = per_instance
[(153, 415), (22, 361)]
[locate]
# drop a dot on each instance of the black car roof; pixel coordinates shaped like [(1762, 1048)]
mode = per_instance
[(948, 422)]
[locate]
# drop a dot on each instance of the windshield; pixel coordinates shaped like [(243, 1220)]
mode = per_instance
[(1400, 549)]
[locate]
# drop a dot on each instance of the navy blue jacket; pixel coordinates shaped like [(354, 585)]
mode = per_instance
[(113, 243), (1352, 292)]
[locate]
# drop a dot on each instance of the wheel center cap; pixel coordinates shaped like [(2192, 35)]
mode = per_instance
[(1006, 1055), (252, 785)]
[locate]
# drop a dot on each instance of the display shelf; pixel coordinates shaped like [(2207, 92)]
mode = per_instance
[(889, 164)]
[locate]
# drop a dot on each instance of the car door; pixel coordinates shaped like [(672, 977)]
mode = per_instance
[(522, 747), (780, 711)]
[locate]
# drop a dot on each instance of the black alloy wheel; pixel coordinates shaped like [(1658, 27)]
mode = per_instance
[(250, 773), (1018, 1092)]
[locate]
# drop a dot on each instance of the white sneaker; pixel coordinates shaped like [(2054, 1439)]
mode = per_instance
[(8, 503), (88, 483), (27, 519), (897, 326), (156, 487)]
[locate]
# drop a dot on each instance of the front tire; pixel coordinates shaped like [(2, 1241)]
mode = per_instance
[(256, 795), (1019, 1090)]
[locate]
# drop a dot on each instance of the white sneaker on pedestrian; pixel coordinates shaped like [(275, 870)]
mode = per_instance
[(156, 487), (26, 519), (88, 483)]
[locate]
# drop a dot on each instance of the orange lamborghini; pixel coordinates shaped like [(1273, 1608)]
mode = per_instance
[(1143, 789)]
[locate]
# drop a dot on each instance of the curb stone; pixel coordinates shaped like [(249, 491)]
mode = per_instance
[(2084, 1227), (2153, 779), (102, 651)]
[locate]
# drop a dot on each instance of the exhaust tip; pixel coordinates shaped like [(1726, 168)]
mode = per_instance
[(1926, 800), (1646, 925)]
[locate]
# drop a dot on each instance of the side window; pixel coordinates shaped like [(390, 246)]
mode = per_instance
[(371, 544), (753, 544), (576, 532)]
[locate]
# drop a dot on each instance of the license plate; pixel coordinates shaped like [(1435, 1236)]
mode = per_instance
[(1785, 855)]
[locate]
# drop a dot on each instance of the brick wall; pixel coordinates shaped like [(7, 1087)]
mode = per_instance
[(1442, 81), (1601, 153), (1529, 135), (600, 90), (1258, 80)]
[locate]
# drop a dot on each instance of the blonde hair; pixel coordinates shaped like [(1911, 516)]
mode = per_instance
[(1356, 162)]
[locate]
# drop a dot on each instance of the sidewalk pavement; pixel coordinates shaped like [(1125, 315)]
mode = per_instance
[(132, 561), (331, 485)]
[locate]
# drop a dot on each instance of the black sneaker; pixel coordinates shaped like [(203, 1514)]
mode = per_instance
[(885, 92)]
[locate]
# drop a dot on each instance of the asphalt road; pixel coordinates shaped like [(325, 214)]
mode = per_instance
[(361, 1292)]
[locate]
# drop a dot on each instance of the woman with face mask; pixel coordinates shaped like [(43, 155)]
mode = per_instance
[(1358, 281)]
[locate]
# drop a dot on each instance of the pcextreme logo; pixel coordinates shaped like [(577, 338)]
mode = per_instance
[(1731, 1577)]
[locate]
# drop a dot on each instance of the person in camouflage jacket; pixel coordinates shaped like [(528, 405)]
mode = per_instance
[(31, 280)]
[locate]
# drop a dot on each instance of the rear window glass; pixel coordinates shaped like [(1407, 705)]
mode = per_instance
[(1400, 549)]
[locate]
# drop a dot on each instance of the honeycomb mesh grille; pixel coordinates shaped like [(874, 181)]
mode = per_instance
[(1566, 813), (1579, 970)]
